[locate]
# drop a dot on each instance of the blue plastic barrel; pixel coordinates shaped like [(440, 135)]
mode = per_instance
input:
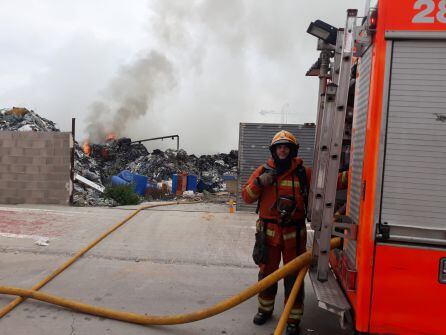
[(174, 183), (126, 175), (191, 183), (140, 184), (115, 180)]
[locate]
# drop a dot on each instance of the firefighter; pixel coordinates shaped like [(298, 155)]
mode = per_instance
[(281, 188)]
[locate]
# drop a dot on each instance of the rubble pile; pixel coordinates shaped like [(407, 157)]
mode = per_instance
[(115, 155), (210, 169), (22, 119), (107, 160), (89, 168)]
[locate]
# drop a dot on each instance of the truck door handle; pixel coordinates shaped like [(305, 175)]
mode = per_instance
[(442, 272)]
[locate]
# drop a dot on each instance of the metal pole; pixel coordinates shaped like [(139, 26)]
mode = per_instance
[(73, 135)]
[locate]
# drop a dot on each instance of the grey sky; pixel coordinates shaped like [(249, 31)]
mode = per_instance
[(213, 63)]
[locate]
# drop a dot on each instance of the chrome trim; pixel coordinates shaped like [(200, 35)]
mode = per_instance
[(383, 134), (415, 35), (410, 239)]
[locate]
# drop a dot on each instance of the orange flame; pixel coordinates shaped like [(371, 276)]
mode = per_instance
[(110, 137), (87, 147)]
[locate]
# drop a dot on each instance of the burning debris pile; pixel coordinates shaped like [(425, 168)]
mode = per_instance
[(89, 168), (99, 162)]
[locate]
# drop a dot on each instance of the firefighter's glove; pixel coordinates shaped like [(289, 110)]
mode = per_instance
[(265, 179)]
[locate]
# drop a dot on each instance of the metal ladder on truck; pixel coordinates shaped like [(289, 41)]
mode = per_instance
[(328, 145)]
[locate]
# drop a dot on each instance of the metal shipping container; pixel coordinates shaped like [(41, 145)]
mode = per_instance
[(254, 141)]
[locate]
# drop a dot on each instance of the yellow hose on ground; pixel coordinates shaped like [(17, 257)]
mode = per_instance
[(73, 259), (289, 305), (294, 265)]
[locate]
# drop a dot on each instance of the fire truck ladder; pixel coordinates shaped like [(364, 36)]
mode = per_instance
[(330, 133)]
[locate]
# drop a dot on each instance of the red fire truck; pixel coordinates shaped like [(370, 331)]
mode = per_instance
[(382, 117)]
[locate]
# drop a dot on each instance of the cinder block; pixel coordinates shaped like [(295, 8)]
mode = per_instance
[(56, 185), (7, 192), (30, 193), (19, 168), (62, 151), (6, 135), (47, 152), (26, 176), (60, 169), (13, 200), (58, 194), (28, 185), (49, 143), (34, 135), (38, 144), (47, 169), (9, 184), (59, 143), (25, 143), (62, 135), (8, 160), (5, 168), (33, 168), (36, 200), (5, 151), (16, 151), (10, 176), (59, 160), (17, 184), (32, 152), (39, 160), (24, 160), (63, 142), (6, 143)]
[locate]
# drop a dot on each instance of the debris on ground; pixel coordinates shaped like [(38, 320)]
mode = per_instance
[(97, 163), (43, 242)]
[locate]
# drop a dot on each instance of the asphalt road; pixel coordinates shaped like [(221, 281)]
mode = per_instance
[(165, 261)]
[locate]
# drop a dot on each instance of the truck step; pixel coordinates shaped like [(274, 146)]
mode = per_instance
[(330, 295)]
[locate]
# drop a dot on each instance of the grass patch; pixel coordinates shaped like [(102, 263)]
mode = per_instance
[(122, 194)]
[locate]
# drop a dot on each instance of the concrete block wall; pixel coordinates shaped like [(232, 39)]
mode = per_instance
[(35, 167)]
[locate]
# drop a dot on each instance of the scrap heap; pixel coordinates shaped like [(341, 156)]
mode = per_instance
[(22, 119), (99, 162)]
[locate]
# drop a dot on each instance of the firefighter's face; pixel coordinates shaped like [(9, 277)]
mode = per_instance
[(282, 151)]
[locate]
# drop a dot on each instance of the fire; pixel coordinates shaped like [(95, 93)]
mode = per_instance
[(87, 147), (110, 137)]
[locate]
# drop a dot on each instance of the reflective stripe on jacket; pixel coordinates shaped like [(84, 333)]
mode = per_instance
[(251, 192)]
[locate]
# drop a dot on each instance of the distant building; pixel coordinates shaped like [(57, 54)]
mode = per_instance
[(253, 149)]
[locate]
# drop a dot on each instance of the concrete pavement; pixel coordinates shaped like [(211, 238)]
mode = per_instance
[(166, 260)]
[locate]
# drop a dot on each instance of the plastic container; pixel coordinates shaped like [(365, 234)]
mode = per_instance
[(182, 183), (174, 183), (115, 180), (140, 184), (191, 183), (126, 175)]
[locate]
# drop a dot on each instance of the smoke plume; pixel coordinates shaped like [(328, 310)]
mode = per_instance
[(214, 64), (131, 94)]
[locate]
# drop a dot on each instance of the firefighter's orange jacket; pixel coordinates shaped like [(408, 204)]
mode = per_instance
[(252, 192)]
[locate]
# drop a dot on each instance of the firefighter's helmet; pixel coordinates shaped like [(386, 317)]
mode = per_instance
[(285, 137)]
